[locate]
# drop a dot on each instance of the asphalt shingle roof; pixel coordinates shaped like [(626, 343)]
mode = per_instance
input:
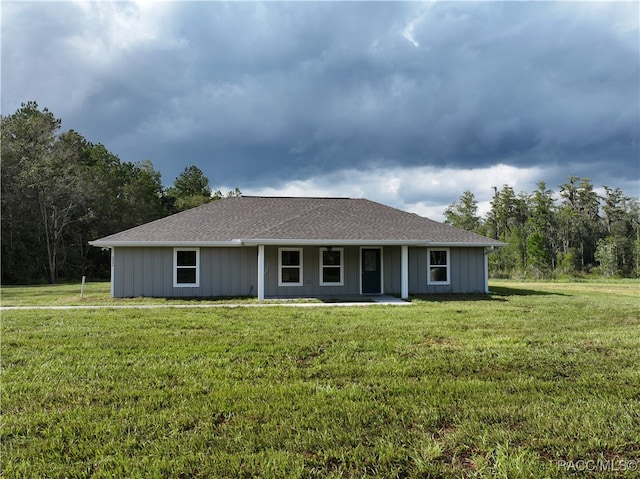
[(250, 218)]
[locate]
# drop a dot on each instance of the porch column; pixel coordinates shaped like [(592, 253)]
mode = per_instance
[(404, 272), (486, 270), (113, 272), (260, 272)]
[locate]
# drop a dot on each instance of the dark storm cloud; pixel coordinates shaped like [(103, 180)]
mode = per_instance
[(260, 94)]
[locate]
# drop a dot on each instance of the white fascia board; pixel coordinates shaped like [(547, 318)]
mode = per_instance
[(164, 244), (338, 242), (329, 242), (462, 244), (284, 242)]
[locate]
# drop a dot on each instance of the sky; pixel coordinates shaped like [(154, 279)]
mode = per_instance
[(405, 103)]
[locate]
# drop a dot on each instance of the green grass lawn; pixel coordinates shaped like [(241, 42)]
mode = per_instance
[(95, 293), (535, 380)]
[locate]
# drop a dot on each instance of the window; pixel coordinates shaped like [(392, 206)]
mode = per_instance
[(290, 267), (331, 267), (438, 266), (186, 267)]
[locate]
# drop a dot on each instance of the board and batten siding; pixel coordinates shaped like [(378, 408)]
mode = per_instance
[(233, 271), (311, 274), (466, 271), (391, 269), (149, 272)]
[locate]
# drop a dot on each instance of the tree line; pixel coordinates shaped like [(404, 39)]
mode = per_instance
[(572, 232), (59, 191)]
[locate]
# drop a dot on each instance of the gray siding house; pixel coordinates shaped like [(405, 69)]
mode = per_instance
[(295, 247)]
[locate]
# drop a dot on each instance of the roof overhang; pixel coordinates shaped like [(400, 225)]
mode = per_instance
[(163, 244), (286, 242), (329, 242), (364, 242), (463, 245)]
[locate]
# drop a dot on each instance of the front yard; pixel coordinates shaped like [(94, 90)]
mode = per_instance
[(534, 380)]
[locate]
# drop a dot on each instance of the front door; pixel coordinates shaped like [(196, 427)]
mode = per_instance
[(371, 269)]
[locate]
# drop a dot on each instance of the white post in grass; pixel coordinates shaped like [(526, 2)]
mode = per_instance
[(404, 272), (260, 272), (84, 278)]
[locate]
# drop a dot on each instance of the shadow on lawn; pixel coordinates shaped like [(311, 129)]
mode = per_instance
[(345, 299), (212, 299), (496, 293), (505, 291), (443, 297)]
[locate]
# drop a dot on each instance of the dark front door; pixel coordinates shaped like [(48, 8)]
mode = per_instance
[(371, 271)]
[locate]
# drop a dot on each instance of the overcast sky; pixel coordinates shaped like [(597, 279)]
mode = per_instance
[(406, 103)]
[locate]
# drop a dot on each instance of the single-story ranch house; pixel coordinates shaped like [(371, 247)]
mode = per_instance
[(295, 247)]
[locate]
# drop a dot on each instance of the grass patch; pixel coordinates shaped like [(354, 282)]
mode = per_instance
[(533, 376), (99, 294), (95, 294)]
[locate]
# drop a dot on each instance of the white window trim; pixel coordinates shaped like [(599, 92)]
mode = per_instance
[(341, 266), (280, 266), (448, 266), (176, 267)]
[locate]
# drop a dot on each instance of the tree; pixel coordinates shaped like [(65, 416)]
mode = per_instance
[(580, 221), (463, 214), (58, 192), (28, 138), (59, 182), (569, 220), (190, 189), (45, 191), (545, 236), (614, 211), (541, 229), (505, 222), (606, 255), (633, 212), (538, 255), (142, 192), (590, 224), (508, 211), (192, 182), (620, 222)]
